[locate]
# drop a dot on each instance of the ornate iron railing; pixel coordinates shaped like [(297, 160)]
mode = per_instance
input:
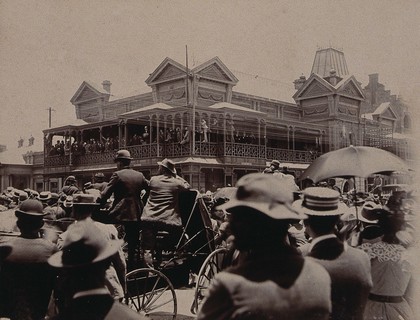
[(296, 156), (57, 161), (206, 149)]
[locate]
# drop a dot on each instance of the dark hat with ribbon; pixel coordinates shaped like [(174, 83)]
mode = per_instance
[(319, 201), (266, 194), (123, 154), (84, 245)]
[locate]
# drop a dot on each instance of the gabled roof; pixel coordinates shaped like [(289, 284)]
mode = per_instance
[(233, 107), (167, 70), (385, 110), (215, 69), (142, 110), (315, 84), (349, 86), (88, 86)]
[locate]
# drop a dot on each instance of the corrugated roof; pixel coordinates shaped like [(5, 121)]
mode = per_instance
[(160, 105), (382, 107), (327, 59)]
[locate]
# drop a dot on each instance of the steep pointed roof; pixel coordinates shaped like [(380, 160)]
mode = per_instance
[(168, 69), (328, 59), (88, 90), (215, 69)]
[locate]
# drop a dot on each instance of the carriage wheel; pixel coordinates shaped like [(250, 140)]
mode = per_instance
[(151, 293), (213, 264)]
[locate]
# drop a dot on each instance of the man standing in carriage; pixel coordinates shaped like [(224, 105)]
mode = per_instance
[(126, 184), (162, 208)]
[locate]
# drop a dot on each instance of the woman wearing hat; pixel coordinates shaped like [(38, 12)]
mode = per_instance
[(273, 278), (391, 266)]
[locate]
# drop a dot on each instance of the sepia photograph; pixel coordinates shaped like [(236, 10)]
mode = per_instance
[(214, 159)]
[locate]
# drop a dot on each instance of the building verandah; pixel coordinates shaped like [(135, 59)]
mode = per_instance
[(230, 138)]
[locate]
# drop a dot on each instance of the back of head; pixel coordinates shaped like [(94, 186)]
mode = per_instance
[(260, 211), (84, 205)]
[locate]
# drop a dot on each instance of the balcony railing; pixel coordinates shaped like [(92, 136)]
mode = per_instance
[(175, 150)]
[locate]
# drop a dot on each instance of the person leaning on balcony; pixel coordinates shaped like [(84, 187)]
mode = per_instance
[(126, 185), (186, 136)]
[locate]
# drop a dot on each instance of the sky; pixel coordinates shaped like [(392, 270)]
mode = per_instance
[(48, 48)]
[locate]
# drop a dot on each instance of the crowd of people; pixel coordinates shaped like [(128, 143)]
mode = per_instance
[(296, 254)]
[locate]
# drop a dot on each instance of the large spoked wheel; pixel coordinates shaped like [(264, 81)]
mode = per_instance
[(151, 293), (213, 264)]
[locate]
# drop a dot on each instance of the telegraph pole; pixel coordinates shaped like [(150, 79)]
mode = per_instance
[(50, 110)]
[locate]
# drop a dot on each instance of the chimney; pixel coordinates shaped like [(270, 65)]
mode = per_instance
[(299, 82), (31, 141), (333, 77), (106, 84)]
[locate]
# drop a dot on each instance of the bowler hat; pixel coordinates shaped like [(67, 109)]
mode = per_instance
[(84, 245), (123, 154), (30, 207), (168, 164), (99, 175), (266, 194), (319, 201)]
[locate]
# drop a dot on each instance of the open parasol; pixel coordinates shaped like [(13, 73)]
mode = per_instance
[(353, 161)]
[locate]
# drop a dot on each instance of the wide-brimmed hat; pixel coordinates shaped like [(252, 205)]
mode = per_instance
[(30, 208), (44, 196), (84, 245), (369, 212), (123, 154), (319, 201), (168, 164), (266, 194), (84, 199)]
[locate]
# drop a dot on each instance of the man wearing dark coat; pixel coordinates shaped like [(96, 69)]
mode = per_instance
[(349, 268), (126, 185), (26, 279)]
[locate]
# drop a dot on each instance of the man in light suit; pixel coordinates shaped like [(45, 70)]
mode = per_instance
[(349, 268), (126, 184), (85, 258)]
